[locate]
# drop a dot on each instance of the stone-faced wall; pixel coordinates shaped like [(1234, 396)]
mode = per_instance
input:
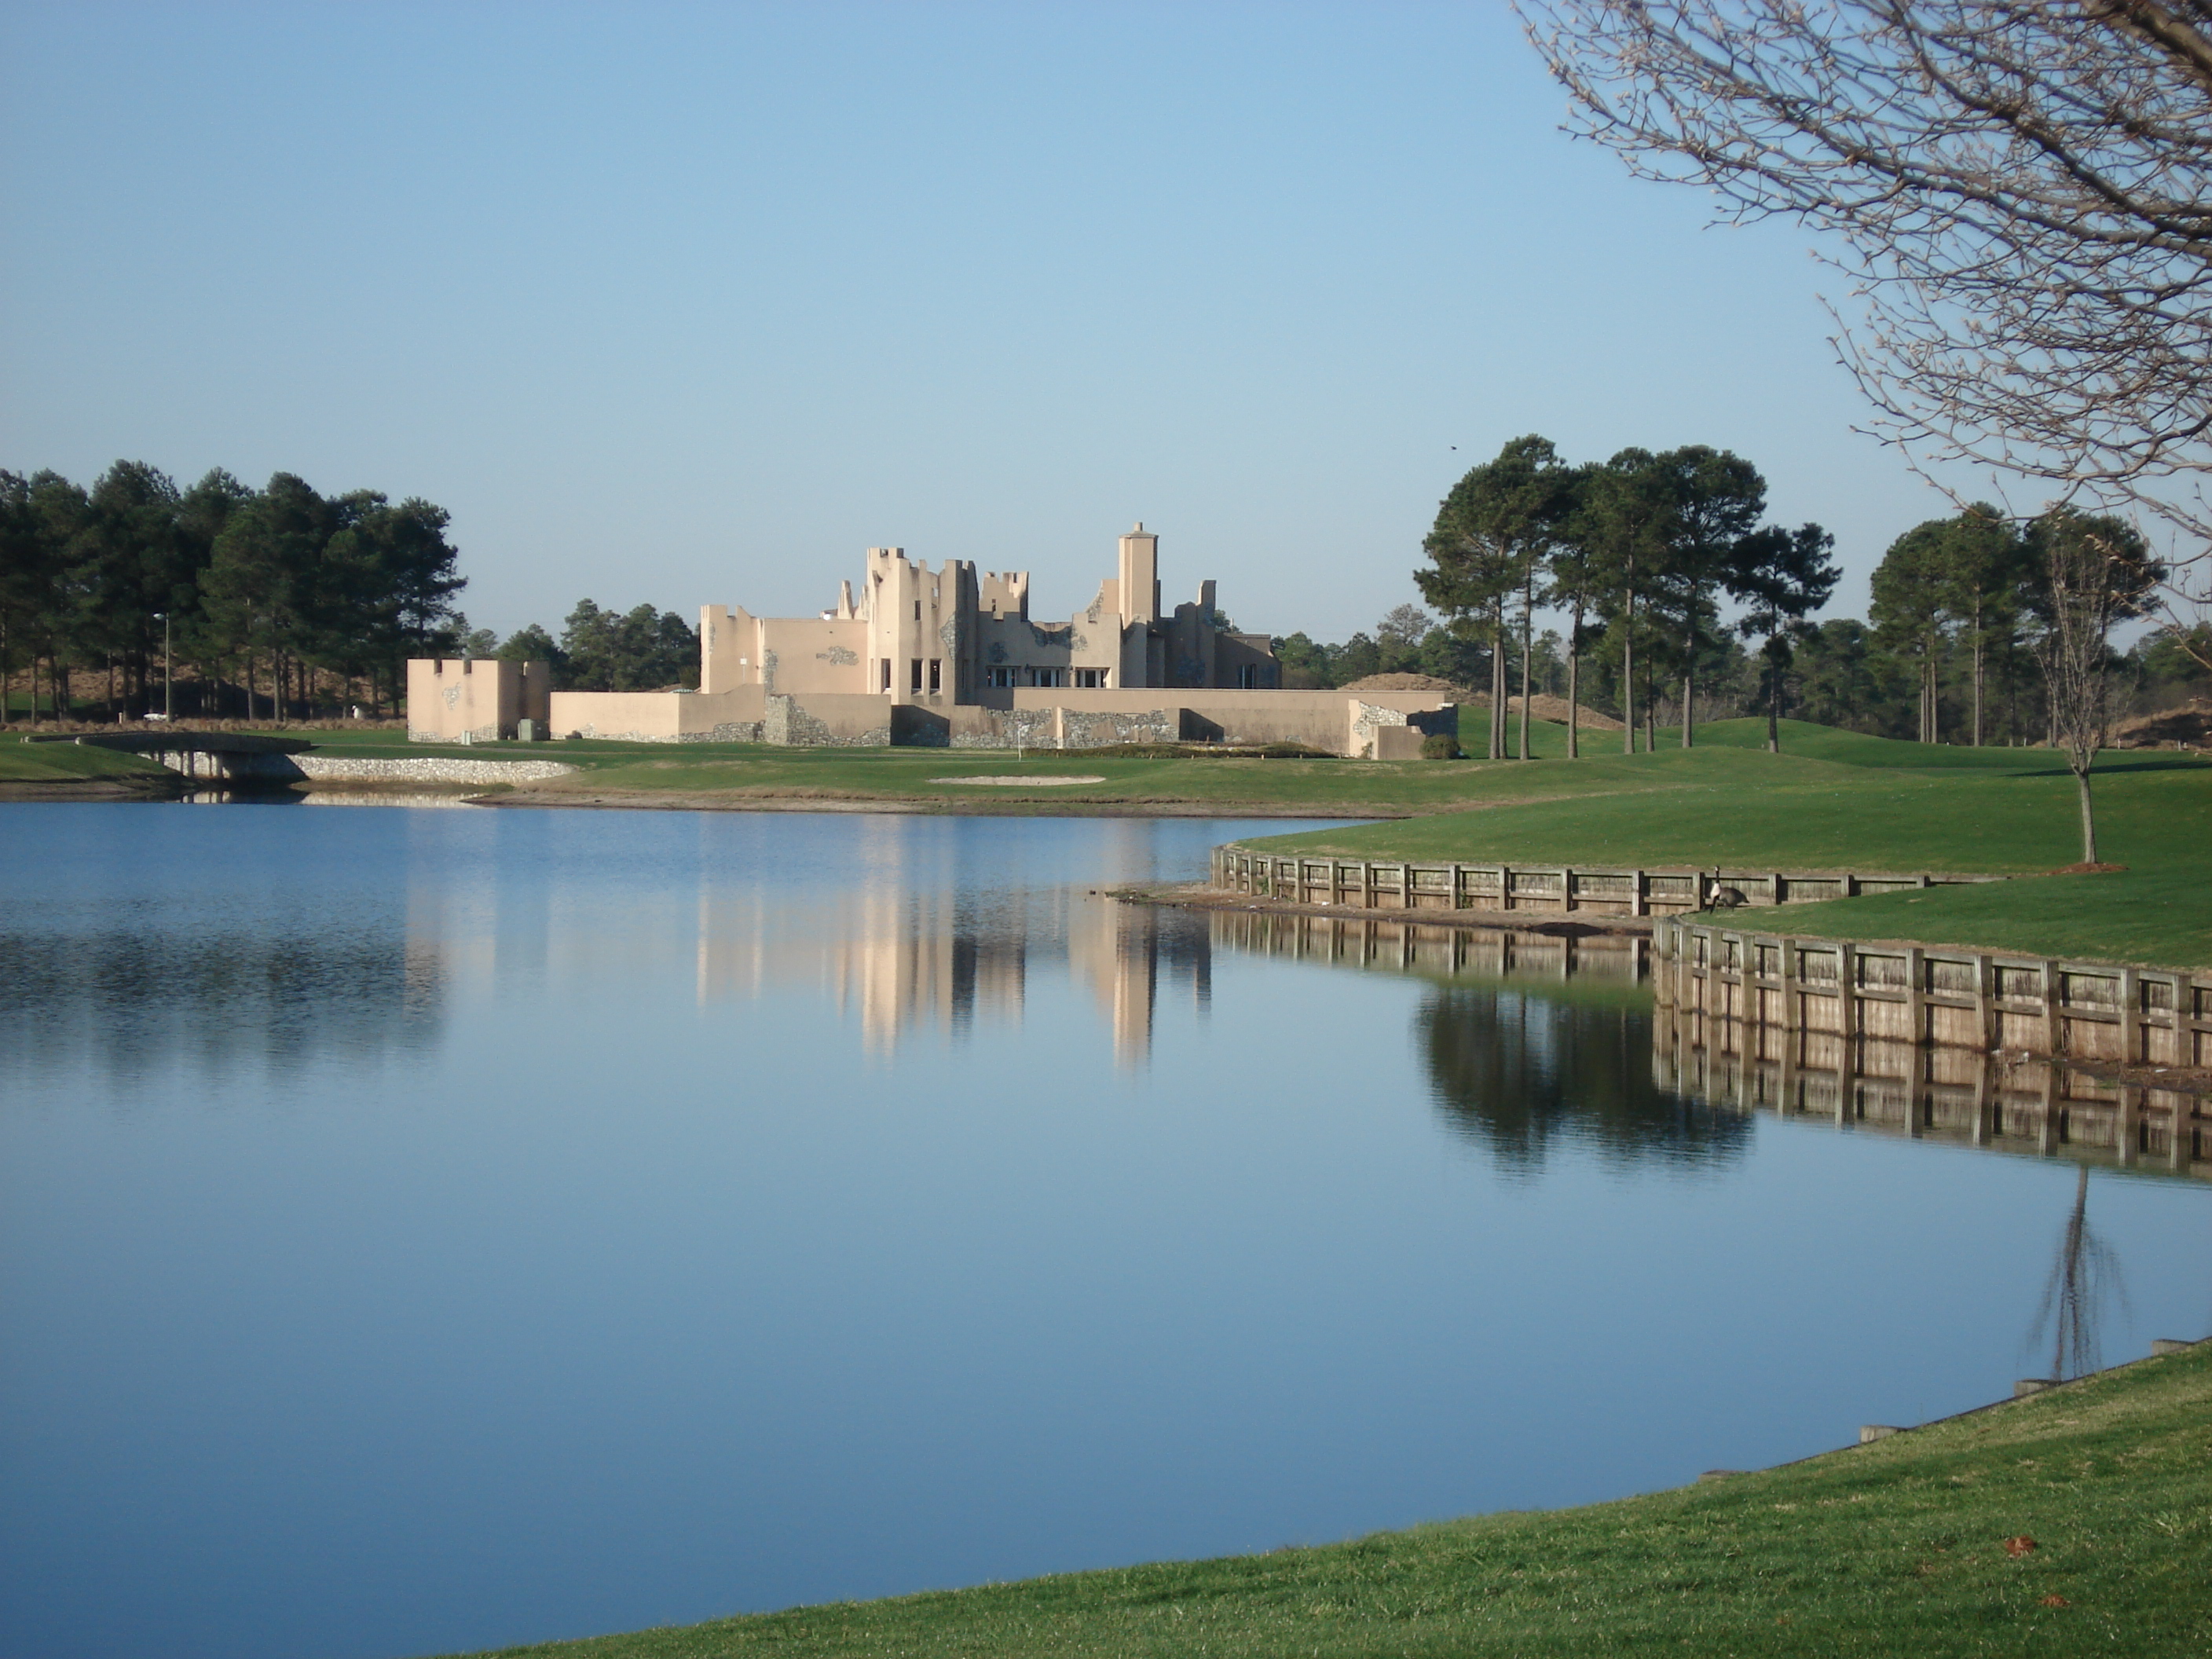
[(828, 721)]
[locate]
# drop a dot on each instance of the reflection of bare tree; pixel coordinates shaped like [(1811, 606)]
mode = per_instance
[(2085, 1275)]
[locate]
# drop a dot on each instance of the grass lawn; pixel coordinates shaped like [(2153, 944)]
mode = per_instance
[(1835, 800), (1329, 787), (1896, 1548), (65, 762)]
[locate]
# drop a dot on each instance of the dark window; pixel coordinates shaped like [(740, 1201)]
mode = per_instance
[(937, 673), (915, 683)]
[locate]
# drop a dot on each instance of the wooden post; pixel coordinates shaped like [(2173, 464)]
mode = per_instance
[(2131, 1017), (1985, 1005), (1637, 904), (2054, 1013), (1567, 892), (1847, 1008)]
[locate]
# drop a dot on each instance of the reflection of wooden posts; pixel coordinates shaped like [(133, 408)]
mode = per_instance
[(1793, 1028), (2046, 1132), (2127, 1136)]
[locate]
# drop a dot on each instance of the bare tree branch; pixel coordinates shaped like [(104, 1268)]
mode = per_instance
[(2019, 191)]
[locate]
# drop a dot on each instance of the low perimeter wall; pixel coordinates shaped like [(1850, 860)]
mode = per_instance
[(1910, 1032), (1375, 725), (216, 766), (1562, 890)]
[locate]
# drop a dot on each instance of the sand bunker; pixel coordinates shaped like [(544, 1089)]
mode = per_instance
[(1011, 782)]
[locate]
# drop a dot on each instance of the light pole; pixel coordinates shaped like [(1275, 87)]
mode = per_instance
[(168, 680)]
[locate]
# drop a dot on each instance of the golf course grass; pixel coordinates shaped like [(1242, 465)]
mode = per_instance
[(65, 762), (1834, 800), (2075, 1521)]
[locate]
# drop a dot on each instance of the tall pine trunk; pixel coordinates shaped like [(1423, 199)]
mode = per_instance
[(1773, 700), (1980, 648), (1527, 624), (1574, 687), (1497, 681), (1628, 680)]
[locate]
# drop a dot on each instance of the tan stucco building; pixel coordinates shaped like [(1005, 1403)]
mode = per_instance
[(952, 658)]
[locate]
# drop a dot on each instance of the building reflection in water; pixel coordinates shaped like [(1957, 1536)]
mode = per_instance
[(930, 955)]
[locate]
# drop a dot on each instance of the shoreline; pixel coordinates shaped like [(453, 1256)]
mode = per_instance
[(951, 806)]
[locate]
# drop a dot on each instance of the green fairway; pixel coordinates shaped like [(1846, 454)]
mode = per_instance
[(1913, 1545), (1328, 787), (65, 762), (1834, 800)]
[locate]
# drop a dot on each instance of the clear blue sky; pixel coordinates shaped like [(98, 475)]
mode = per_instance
[(693, 304)]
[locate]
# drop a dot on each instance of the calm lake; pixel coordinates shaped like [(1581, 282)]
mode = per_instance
[(422, 1230)]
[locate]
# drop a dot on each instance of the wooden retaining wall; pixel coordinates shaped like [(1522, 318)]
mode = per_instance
[(1560, 890), (1937, 1038)]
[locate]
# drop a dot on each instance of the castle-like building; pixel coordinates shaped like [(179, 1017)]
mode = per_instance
[(949, 657), (941, 639)]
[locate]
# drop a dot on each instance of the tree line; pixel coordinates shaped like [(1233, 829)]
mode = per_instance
[(600, 650), (275, 600), (1636, 554), (1946, 655)]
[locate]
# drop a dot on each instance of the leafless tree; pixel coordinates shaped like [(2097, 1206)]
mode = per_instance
[(2020, 193), (2095, 572)]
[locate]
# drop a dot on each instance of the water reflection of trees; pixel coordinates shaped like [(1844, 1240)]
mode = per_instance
[(129, 1003), (1516, 1072), (2084, 1279)]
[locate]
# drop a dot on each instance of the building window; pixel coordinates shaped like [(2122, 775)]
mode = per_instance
[(1000, 677), (1089, 679), (937, 673), (915, 679), (1248, 677), (887, 673), (917, 609), (1048, 677)]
